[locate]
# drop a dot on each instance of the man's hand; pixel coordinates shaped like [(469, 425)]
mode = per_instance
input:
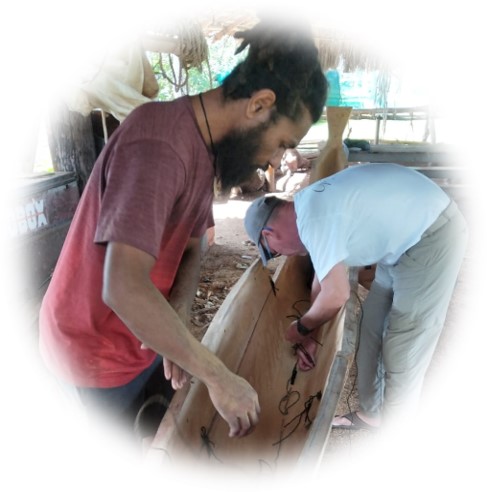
[(305, 347), (306, 352), (327, 296), (237, 402), (172, 372), (129, 291), (292, 334)]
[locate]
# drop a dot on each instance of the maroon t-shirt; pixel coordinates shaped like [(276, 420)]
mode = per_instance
[(151, 188)]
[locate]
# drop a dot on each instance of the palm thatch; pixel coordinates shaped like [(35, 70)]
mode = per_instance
[(185, 36)]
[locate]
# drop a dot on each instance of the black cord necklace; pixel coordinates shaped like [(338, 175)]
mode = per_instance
[(213, 150)]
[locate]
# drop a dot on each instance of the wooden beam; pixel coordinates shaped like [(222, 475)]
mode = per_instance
[(409, 113), (415, 158)]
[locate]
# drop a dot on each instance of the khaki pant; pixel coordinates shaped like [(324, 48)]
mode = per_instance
[(403, 316)]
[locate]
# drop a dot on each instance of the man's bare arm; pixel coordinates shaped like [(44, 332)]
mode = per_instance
[(328, 296), (130, 293)]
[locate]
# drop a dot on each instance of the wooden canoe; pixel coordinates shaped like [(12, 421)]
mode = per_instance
[(247, 334)]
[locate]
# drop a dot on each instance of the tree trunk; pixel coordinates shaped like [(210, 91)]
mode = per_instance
[(71, 142)]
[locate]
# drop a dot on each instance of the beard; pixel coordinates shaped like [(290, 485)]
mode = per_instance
[(236, 156)]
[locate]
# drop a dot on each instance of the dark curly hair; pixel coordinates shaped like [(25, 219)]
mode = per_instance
[(285, 60)]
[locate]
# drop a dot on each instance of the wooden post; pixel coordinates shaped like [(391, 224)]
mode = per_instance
[(377, 129), (270, 177), (333, 158), (429, 130), (71, 142)]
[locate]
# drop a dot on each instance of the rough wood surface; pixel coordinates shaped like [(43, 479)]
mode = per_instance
[(248, 335)]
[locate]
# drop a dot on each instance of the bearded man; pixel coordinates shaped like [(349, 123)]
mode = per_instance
[(119, 301)]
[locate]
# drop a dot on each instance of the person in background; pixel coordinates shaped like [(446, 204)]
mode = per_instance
[(119, 301), (367, 214), (281, 170)]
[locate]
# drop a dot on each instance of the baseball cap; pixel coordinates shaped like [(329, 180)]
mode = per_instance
[(255, 220)]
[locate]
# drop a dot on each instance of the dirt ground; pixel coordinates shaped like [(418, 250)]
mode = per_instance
[(226, 260)]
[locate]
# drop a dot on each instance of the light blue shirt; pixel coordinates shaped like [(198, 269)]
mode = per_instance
[(366, 214)]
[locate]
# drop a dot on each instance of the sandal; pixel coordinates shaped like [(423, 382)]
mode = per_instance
[(356, 423)]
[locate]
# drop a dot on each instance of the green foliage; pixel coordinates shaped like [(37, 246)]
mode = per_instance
[(221, 60)]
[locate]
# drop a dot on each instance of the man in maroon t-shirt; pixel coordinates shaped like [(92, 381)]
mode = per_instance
[(121, 294)]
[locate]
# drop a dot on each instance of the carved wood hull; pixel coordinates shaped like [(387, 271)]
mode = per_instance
[(248, 335)]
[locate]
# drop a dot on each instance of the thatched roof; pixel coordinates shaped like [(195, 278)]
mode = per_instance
[(335, 46)]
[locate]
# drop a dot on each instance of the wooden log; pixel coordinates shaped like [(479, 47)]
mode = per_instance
[(332, 158), (270, 176), (248, 335)]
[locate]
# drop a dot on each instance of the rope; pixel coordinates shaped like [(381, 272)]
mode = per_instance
[(299, 417), (208, 444), (192, 50)]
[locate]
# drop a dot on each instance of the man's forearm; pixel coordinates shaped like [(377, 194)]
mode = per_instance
[(187, 280), (321, 311), (157, 325), (327, 297), (129, 291)]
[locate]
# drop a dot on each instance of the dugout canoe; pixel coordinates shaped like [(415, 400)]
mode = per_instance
[(247, 334)]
